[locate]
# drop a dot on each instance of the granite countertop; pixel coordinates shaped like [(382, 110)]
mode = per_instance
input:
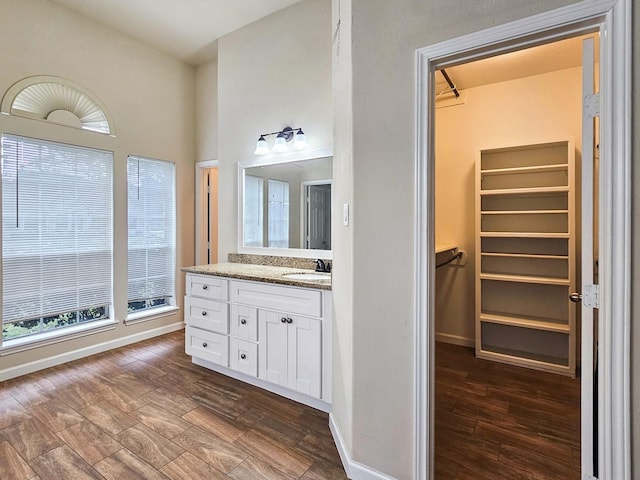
[(261, 273)]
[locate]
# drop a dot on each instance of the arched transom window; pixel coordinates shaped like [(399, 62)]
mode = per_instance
[(59, 101)]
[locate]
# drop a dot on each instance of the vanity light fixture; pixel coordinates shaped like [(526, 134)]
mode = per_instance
[(282, 138)]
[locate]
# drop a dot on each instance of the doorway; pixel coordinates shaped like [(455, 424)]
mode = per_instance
[(206, 206), (507, 156), (614, 208)]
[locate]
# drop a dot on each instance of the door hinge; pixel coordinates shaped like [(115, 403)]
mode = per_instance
[(591, 296), (591, 106)]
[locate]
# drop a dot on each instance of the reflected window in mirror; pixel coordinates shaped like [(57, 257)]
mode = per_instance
[(278, 214), (253, 211)]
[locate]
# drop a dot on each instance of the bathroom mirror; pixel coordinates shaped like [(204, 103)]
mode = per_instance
[(285, 207)]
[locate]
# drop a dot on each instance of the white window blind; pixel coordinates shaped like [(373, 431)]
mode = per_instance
[(56, 233), (152, 219), (253, 211), (278, 213)]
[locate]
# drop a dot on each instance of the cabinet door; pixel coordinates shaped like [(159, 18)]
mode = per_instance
[(272, 350), (304, 355), (244, 322)]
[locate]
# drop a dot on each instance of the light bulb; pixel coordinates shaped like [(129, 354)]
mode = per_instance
[(261, 147), (280, 144), (299, 141)]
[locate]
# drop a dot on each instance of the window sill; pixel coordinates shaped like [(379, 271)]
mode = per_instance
[(55, 336), (151, 314)]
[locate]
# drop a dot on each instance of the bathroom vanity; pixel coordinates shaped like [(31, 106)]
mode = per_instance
[(265, 325)]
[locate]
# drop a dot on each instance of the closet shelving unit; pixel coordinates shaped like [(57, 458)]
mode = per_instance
[(526, 256)]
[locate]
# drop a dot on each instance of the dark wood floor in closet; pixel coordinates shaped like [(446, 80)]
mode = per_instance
[(146, 412), (496, 421)]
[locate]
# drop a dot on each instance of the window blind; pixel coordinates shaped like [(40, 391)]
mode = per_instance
[(151, 227), (56, 228), (253, 211)]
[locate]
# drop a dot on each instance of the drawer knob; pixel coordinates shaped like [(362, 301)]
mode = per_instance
[(204, 287), (283, 319), (204, 344), (289, 320), (204, 313), (243, 321), (243, 356)]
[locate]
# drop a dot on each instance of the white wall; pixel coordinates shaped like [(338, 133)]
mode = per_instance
[(635, 281), (536, 109), (207, 111), (151, 99), (342, 236), (273, 73), (379, 421)]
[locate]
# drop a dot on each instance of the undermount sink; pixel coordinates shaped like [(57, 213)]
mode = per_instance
[(308, 276)]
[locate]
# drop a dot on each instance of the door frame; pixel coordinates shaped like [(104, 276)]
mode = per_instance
[(613, 19)]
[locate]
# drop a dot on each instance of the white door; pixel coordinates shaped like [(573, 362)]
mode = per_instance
[(588, 295), (318, 217), (304, 342)]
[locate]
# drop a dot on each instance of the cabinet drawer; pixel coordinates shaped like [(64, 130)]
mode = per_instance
[(205, 286), (301, 301), (207, 314), (244, 322), (209, 346), (243, 356)]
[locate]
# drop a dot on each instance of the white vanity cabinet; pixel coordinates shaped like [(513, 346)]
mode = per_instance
[(277, 337)]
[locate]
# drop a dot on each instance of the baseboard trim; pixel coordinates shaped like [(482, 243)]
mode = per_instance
[(353, 469), (72, 355), (455, 340)]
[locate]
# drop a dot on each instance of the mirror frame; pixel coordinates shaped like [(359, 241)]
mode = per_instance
[(277, 159)]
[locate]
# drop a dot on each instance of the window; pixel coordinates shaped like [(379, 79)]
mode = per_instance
[(56, 235), (151, 220), (253, 211), (278, 213), (57, 100)]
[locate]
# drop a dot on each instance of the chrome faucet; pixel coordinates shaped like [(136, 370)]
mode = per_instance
[(321, 266)]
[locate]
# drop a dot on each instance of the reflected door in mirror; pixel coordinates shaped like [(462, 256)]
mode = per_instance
[(318, 218)]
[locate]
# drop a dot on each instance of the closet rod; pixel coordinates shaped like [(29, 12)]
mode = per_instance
[(454, 256), (451, 85)]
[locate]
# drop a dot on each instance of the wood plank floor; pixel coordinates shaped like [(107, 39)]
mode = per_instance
[(146, 412), (496, 421)]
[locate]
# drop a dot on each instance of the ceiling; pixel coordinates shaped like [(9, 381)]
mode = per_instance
[(510, 66), (184, 29), (188, 30)]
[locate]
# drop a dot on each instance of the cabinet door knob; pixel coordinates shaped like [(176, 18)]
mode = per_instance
[(204, 313), (243, 356), (289, 320), (204, 344), (204, 287), (283, 319), (243, 321)]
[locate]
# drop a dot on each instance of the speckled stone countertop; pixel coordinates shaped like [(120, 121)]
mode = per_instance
[(260, 273)]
